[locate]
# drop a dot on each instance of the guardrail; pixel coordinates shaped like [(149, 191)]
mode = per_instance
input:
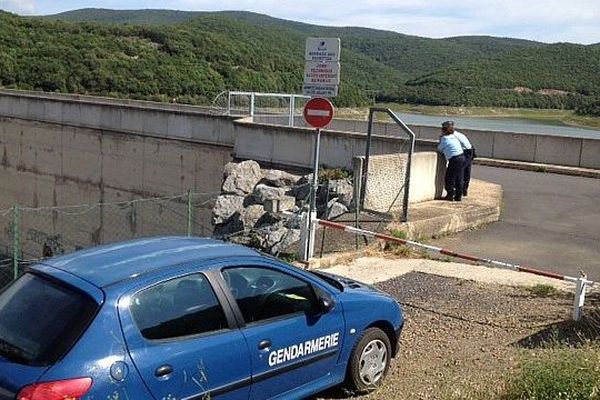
[(582, 283), (252, 96)]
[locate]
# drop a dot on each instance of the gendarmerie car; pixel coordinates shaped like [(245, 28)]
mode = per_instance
[(189, 318)]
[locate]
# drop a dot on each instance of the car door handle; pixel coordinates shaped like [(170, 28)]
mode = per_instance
[(264, 344), (163, 370)]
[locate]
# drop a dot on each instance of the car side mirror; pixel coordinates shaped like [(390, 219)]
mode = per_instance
[(326, 304)]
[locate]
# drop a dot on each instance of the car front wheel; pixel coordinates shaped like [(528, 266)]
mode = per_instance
[(369, 362)]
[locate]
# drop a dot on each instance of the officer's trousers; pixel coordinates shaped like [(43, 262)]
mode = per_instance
[(455, 177)]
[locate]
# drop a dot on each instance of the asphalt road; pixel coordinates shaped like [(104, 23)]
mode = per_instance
[(549, 221)]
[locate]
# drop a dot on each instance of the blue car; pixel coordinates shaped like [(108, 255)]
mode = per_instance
[(176, 318)]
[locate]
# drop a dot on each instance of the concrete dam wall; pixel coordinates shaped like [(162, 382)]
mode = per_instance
[(545, 149), (47, 164), (61, 150)]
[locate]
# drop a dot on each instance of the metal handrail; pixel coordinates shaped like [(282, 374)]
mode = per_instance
[(254, 95)]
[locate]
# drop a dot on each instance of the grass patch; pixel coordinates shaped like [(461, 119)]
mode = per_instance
[(542, 290), (554, 373), (396, 248), (557, 373), (398, 233), (541, 168)]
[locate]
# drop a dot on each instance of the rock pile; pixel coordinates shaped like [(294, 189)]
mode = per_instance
[(248, 210)]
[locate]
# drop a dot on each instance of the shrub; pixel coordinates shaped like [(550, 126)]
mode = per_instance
[(542, 290), (331, 174)]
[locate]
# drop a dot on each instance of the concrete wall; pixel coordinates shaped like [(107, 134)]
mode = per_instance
[(546, 149), (201, 124), (122, 116), (386, 179), (294, 146), (45, 165), (82, 165)]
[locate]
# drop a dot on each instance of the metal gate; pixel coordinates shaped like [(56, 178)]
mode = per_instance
[(384, 186)]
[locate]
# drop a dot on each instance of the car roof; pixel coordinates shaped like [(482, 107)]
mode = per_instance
[(109, 264)]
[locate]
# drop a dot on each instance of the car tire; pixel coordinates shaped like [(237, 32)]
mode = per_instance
[(369, 361)]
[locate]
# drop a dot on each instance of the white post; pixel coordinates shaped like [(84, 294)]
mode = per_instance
[(252, 98), (292, 110), (304, 237), (313, 233), (579, 297)]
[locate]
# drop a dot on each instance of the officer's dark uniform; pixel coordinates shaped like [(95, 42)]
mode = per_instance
[(452, 149), (455, 177), (469, 151)]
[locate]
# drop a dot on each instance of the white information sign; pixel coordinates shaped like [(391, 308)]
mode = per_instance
[(322, 67), (320, 73), (323, 49), (320, 90)]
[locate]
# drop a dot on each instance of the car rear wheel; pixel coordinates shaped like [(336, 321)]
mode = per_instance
[(369, 362)]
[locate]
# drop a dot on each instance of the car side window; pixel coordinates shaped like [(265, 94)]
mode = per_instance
[(178, 308), (263, 293)]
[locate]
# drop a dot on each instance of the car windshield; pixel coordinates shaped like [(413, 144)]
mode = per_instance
[(40, 320)]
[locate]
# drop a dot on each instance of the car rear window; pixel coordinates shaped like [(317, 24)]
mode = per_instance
[(40, 320)]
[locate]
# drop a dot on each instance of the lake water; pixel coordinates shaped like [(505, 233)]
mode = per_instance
[(501, 124)]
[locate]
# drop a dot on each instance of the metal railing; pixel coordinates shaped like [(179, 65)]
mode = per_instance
[(252, 97)]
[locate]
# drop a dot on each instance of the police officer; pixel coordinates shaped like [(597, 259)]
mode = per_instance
[(452, 150), (468, 150)]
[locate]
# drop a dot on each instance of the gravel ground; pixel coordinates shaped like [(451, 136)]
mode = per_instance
[(462, 337)]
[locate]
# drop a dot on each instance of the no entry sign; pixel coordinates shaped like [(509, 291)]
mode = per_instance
[(318, 112)]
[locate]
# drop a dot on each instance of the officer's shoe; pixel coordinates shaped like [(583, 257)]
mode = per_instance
[(465, 193), (458, 199), (448, 197)]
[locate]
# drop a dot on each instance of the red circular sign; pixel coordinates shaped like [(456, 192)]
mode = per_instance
[(318, 112)]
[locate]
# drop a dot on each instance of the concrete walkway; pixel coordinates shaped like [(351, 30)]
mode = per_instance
[(549, 221), (377, 269)]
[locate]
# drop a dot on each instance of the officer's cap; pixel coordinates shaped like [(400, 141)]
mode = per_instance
[(447, 124)]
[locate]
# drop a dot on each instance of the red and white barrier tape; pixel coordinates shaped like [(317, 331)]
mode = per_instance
[(491, 263)]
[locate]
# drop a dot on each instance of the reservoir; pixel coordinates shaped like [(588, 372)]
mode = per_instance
[(501, 124)]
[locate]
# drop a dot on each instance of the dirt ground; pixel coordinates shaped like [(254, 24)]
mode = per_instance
[(461, 338)]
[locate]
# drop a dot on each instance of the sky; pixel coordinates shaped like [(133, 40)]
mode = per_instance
[(548, 21)]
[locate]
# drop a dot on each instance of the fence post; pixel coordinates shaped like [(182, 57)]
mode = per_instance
[(307, 235), (16, 240), (252, 100), (358, 167), (190, 212), (292, 110), (579, 297)]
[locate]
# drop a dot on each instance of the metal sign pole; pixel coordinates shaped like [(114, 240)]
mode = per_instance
[(312, 212)]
